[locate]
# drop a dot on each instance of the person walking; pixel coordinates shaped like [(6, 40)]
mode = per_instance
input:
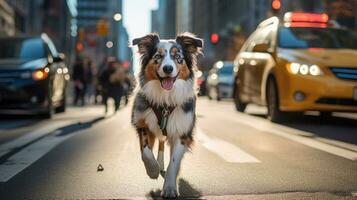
[(79, 81), (112, 84)]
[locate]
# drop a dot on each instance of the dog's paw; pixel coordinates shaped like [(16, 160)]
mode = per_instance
[(150, 163), (169, 190)]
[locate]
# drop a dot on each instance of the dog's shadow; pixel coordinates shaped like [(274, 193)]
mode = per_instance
[(186, 191)]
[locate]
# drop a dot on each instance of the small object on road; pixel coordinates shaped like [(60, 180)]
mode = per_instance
[(100, 168)]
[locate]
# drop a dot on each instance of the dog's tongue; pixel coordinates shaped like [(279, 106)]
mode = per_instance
[(167, 83)]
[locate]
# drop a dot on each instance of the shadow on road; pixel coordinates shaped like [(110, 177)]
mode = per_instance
[(72, 128), (186, 190), (17, 121), (334, 127), (63, 131)]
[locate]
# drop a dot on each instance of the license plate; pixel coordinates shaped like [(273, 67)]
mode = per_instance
[(355, 93)]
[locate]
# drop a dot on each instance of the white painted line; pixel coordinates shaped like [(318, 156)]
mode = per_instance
[(29, 155), (28, 137), (227, 151), (294, 135)]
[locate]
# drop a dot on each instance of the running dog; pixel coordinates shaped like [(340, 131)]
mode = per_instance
[(164, 106)]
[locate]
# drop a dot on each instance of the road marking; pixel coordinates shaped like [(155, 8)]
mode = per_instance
[(296, 136), (8, 124), (21, 160), (227, 151), (44, 140), (28, 137)]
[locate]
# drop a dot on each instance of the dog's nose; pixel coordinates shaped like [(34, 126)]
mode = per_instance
[(168, 69)]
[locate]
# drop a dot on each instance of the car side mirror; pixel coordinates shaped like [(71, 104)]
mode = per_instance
[(263, 48), (61, 57)]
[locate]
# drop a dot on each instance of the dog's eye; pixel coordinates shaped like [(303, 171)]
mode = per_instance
[(177, 56), (157, 56)]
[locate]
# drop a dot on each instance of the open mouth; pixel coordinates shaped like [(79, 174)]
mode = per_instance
[(167, 82)]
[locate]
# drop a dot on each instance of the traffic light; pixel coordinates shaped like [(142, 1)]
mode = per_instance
[(214, 38), (102, 27), (276, 6)]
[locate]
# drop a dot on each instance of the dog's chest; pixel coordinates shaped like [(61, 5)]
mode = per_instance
[(179, 122)]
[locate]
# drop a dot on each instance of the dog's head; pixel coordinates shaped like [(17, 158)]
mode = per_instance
[(167, 60)]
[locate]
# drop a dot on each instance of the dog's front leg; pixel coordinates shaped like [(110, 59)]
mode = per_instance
[(147, 141), (178, 150), (160, 155)]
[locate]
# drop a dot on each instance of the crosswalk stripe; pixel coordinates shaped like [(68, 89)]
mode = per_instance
[(296, 136), (227, 151), (29, 155), (23, 140), (45, 139)]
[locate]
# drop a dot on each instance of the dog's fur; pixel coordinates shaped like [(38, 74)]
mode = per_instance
[(180, 54)]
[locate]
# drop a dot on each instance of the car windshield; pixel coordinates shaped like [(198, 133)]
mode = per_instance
[(25, 49), (226, 70), (301, 38)]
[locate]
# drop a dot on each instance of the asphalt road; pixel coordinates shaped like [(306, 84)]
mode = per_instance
[(235, 156)]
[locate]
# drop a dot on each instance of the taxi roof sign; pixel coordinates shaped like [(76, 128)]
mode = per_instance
[(292, 17)]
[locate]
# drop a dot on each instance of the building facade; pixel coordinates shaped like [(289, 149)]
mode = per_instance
[(7, 19), (164, 19)]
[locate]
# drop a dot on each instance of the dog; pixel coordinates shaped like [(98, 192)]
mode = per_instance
[(164, 106)]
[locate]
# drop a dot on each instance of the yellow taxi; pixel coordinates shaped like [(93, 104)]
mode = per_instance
[(300, 63)]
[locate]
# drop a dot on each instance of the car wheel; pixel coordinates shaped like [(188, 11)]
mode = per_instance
[(218, 97), (274, 113), (325, 115), (62, 107), (209, 95), (240, 106), (49, 111)]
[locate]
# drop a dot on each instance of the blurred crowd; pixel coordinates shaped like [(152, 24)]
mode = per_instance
[(92, 85)]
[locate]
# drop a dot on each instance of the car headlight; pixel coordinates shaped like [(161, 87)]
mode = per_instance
[(40, 74), (304, 69)]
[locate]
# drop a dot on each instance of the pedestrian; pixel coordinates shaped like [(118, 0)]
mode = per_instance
[(89, 80), (79, 81), (111, 80)]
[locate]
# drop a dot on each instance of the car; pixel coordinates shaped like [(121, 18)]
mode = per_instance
[(296, 64), (33, 76), (201, 82), (220, 80)]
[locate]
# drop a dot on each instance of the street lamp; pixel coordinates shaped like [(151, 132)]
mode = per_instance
[(117, 17), (109, 44)]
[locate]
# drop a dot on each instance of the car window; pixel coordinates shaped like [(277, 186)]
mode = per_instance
[(226, 70), (317, 38), (15, 48), (261, 35)]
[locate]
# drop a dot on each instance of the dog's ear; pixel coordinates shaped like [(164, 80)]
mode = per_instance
[(190, 43), (147, 43)]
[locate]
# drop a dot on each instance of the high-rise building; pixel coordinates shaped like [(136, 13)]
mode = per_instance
[(33, 17), (7, 19), (113, 40), (164, 19)]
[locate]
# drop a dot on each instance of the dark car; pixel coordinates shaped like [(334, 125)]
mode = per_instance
[(33, 76), (220, 81)]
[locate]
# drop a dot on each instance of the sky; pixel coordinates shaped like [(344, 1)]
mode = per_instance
[(137, 20)]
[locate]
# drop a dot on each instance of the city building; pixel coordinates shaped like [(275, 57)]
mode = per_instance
[(101, 29), (21, 10), (7, 19), (164, 19), (54, 17)]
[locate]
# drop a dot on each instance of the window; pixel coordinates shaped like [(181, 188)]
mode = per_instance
[(30, 48), (301, 38)]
